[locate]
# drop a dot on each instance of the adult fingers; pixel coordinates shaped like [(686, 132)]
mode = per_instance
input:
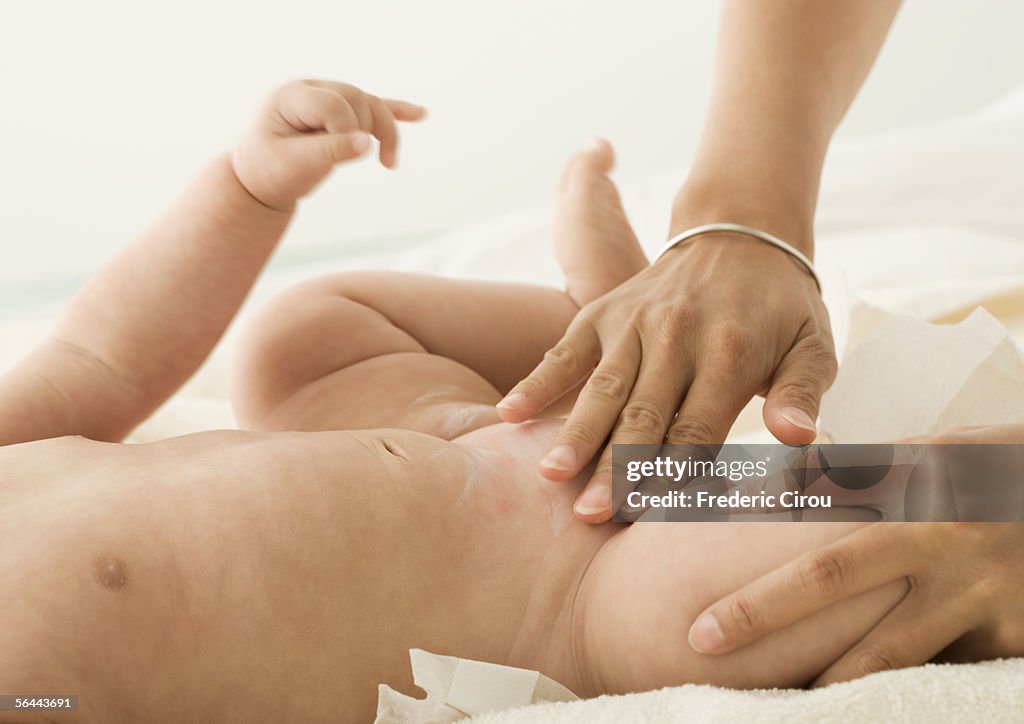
[(863, 560), (793, 473), (714, 400), (641, 420), (791, 406), (562, 368), (913, 633), (711, 405), (595, 412)]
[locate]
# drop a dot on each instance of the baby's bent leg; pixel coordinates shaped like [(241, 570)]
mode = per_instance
[(364, 350), (379, 349), (595, 245)]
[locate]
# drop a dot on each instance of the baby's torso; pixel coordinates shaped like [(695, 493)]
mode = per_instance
[(230, 559)]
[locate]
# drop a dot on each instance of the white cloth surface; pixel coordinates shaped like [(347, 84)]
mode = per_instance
[(925, 221), (989, 692)]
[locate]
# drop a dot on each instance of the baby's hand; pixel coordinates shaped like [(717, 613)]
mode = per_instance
[(306, 129)]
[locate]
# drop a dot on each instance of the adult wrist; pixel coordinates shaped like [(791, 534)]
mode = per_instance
[(789, 216), (745, 231)]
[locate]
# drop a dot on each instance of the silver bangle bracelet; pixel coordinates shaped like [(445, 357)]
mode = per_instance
[(746, 231)]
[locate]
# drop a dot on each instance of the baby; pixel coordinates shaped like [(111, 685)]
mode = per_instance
[(376, 502)]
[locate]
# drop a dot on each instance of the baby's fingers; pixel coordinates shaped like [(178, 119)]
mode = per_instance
[(321, 105), (345, 147), (385, 131), (385, 113), (401, 110), (320, 152), (303, 107), (405, 111)]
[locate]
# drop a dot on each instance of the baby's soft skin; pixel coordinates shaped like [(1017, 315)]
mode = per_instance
[(282, 574), (237, 576)]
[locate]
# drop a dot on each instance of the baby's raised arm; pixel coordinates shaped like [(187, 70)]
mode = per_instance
[(143, 325)]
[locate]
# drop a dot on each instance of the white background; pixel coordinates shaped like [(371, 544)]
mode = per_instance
[(109, 107)]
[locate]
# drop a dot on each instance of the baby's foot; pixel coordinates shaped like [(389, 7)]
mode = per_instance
[(594, 243)]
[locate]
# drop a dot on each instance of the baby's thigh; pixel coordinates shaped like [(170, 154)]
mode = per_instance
[(674, 571), (364, 350), (499, 330)]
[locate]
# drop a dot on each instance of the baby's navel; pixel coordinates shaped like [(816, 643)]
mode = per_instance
[(111, 572)]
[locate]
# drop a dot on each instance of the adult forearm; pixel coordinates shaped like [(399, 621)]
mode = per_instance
[(154, 313), (786, 73)]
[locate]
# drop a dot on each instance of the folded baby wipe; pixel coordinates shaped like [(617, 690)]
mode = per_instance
[(902, 377), (459, 688)]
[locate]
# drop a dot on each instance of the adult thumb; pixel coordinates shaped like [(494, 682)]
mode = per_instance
[(791, 405)]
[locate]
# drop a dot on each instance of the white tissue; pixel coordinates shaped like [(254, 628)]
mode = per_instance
[(903, 377), (458, 688)]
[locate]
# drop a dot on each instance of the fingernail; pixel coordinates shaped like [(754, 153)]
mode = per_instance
[(706, 635), (594, 143), (513, 399), (798, 417), (360, 142), (561, 458), (595, 500)]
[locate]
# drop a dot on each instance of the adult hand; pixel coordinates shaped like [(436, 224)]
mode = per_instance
[(675, 353), (723, 317), (964, 602), (970, 474)]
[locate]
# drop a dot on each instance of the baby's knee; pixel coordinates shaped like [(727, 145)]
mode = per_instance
[(308, 332)]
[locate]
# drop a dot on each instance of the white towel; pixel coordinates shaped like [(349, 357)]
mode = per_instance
[(992, 692)]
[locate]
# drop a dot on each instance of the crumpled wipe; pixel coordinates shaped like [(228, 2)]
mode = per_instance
[(902, 377), (457, 688)]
